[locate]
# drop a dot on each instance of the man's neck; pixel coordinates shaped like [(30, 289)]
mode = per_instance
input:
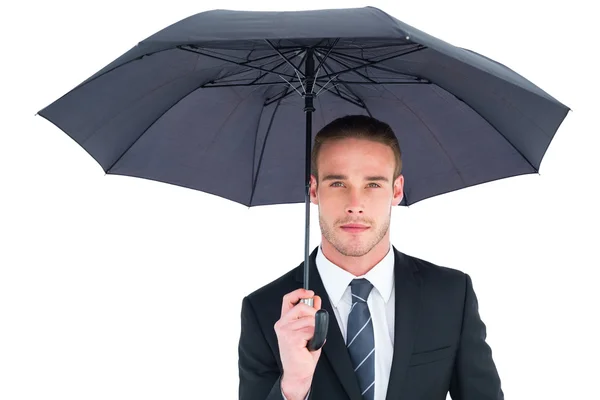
[(357, 266)]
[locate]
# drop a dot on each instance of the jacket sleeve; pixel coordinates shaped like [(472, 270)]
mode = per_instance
[(258, 370), (306, 398), (475, 376)]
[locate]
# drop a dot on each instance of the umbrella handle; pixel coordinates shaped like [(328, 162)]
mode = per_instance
[(321, 327)]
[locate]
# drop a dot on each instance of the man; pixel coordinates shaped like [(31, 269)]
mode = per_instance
[(400, 327)]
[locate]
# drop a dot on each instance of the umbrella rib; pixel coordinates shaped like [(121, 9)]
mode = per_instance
[(262, 152), (285, 94), (290, 85), (375, 62), (349, 100), (335, 86), (379, 67), (371, 81), (265, 57), (333, 77), (383, 46), (232, 83), (222, 79), (112, 117), (324, 86), (322, 64), (384, 82), (327, 55), (285, 58), (302, 61), (356, 72), (220, 82), (224, 83), (341, 95), (210, 50), (356, 98), (501, 134), (253, 180), (149, 126), (230, 61)]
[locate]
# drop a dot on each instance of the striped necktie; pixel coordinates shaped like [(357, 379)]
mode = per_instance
[(360, 339)]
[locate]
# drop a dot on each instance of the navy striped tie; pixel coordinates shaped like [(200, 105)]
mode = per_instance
[(360, 340)]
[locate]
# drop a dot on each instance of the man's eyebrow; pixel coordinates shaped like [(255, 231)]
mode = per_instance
[(377, 178), (333, 177)]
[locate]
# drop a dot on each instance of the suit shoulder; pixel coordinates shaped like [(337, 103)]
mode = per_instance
[(449, 283), (429, 269)]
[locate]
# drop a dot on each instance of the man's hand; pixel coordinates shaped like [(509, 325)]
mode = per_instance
[(294, 329)]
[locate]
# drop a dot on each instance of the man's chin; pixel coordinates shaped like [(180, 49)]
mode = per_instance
[(356, 253), (353, 250)]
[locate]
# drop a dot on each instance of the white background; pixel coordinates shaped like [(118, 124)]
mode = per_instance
[(124, 288)]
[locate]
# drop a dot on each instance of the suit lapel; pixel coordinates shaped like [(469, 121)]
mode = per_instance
[(408, 296), (334, 348)]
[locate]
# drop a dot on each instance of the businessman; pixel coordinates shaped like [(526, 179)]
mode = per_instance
[(400, 327)]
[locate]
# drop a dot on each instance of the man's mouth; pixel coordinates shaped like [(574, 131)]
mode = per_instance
[(354, 228)]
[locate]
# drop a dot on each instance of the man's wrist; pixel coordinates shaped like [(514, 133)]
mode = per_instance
[(293, 389)]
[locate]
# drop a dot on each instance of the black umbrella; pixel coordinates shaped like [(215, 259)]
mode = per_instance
[(215, 102)]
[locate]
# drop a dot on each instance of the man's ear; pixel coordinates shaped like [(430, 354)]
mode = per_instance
[(398, 190), (314, 198)]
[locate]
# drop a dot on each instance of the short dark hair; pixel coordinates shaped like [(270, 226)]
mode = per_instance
[(358, 127)]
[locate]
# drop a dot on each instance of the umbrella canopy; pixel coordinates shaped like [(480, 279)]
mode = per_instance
[(223, 102), (215, 103)]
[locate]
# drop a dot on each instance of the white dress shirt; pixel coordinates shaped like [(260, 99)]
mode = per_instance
[(381, 305)]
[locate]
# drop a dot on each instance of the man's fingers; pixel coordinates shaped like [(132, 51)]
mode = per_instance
[(303, 328), (297, 324), (299, 311), (317, 302), (292, 298)]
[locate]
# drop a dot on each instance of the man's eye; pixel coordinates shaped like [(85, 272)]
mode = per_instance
[(374, 185), (337, 184)]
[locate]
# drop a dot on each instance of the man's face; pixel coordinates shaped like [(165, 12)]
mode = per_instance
[(355, 194)]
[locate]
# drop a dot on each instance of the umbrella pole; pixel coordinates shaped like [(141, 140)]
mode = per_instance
[(308, 109), (322, 316), (307, 198)]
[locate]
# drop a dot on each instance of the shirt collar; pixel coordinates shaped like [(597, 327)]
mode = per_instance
[(336, 280)]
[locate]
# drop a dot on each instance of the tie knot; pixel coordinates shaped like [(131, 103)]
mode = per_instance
[(360, 290)]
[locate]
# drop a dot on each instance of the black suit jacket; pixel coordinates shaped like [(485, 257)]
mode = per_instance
[(439, 339)]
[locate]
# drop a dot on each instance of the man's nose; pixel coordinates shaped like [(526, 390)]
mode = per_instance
[(355, 203)]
